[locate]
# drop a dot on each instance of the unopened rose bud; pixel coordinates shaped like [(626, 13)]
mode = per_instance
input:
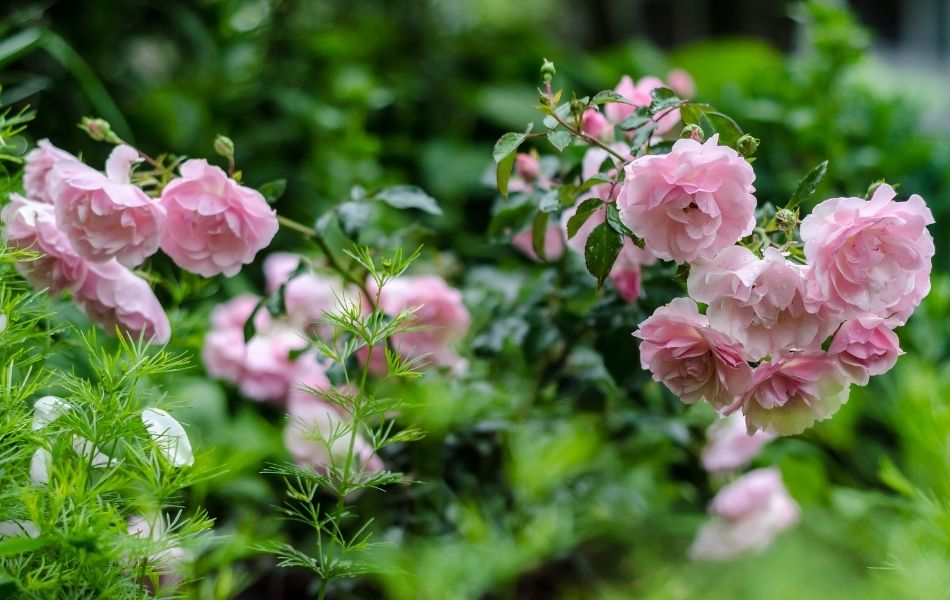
[(747, 145), (693, 132), (547, 70), (594, 124), (786, 218), (527, 167), (99, 130), (224, 146)]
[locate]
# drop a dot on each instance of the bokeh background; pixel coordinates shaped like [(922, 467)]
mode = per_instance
[(539, 501)]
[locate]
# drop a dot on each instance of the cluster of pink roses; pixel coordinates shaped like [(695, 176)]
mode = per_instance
[(274, 365), (867, 268), (92, 228)]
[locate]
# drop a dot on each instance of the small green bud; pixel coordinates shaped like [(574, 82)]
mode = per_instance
[(547, 70), (873, 187), (747, 145), (224, 146), (99, 130), (693, 132), (786, 219)]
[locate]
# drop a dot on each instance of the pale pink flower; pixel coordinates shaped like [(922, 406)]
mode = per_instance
[(106, 217), (268, 365), (626, 274), (308, 295), (865, 346), (746, 517), (30, 225), (438, 312), (596, 125), (690, 203), (682, 83), (113, 296), (214, 224), (527, 174), (37, 167), (693, 360), (553, 243), (870, 257), (310, 373), (762, 303), (730, 446), (790, 394), (639, 95)]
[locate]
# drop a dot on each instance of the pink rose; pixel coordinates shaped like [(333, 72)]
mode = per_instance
[(865, 346), (690, 358), (268, 366), (439, 313), (553, 243), (682, 83), (870, 257), (594, 124), (106, 217), (762, 303), (308, 295), (746, 516), (36, 169), (639, 95), (790, 394), (527, 167), (308, 372), (625, 275), (729, 445), (690, 203), (30, 225), (214, 224), (113, 296)]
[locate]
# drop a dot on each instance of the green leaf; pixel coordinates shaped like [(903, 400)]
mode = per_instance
[(643, 135), (691, 111), (560, 139), (353, 217), (549, 202), (503, 173), (409, 196), (274, 303), (603, 247), (323, 222), (250, 329), (713, 122), (508, 143), (584, 211), (19, 545), (12, 46), (613, 219), (807, 186), (608, 97), (273, 190), (662, 99), (539, 230), (637, 118)]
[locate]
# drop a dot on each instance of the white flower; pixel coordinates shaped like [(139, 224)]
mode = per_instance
[(18, 528), (3, 323), (40, 465), (87, 450), (47, 409), (170, 437)]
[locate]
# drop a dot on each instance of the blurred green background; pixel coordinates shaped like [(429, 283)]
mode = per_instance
[(583, 483)]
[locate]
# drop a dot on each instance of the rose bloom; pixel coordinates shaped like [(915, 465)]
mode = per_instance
[(690, 358), (214, 224), (682, 83), (639, 95), (106, 217), (30, 225), (790, 394), (113, 296), (762, 303), (626, 273), (308, 295), (37, 166), (729, 445), (746, 517), (690, 203), (553, 243), (439, 314), (596, 125), (870, 257), (865, 346)]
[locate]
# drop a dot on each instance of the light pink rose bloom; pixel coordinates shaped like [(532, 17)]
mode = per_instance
[(592, 163), (113, 296), (214, 224), (268, 366), (308, 372), (224, 348), (553, 243), (729, 446), (790, 394), (308, 295), (690, 358), (318, 436), (596, 125), (682, 83), (762, 303), (690, 203), (626, 274), (746, 517), (36, 169), (639, 95), (30, 225), (106, 217), (870, 257), (439, 313), (865, 346), (527, 167)]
